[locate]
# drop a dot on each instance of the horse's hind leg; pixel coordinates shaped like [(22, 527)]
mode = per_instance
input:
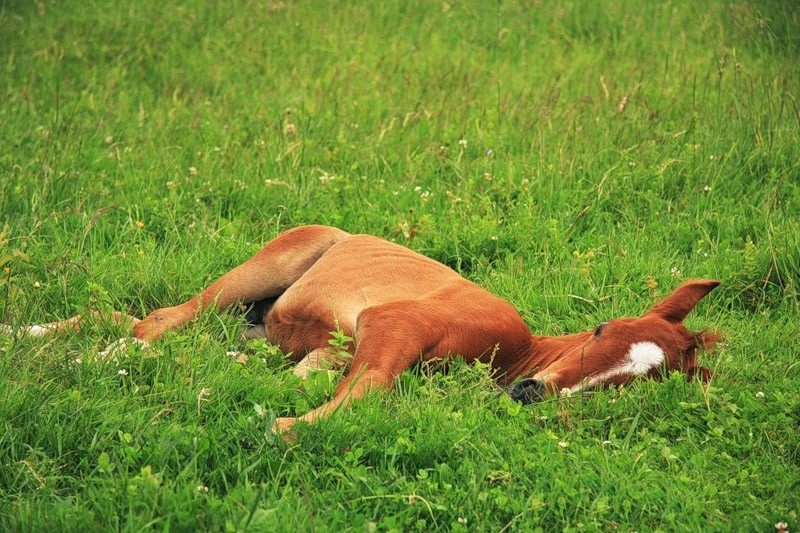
[(265, 275)]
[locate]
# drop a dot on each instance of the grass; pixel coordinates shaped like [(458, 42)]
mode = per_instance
[(611, 150)]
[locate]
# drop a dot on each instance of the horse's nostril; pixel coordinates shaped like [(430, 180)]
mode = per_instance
[(527, 391)]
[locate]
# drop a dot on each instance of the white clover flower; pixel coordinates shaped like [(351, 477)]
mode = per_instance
[(563, 444), (760, 394), (463, 144), (122, 372)]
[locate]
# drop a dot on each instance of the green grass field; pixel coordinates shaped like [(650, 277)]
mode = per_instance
[(579, 159)]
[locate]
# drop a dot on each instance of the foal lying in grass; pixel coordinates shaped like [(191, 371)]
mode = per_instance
[(402, 308)]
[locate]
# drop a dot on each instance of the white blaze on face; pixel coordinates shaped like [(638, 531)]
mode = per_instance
[(642, 357)]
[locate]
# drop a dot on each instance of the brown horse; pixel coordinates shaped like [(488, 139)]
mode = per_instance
[(402, 307)]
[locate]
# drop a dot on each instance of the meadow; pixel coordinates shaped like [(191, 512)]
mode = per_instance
[(579, 159)]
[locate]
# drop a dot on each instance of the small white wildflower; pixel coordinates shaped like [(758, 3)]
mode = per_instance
[(170, 185), (325, 178), (707, 188), (675, 272), (36, 284), (488, 176), (711, 158), (109, 139), (525, 181), (489, 153), (425, 195), (217, 148), (461, 520), (77, 361), (193, 171), (395, 193), (417, 188), (290, 129), (760, 394), (563, 444), (565, 392), (202, 488), (463, 144), (494, 237), (232, 354), (267, 181), (122, 372)]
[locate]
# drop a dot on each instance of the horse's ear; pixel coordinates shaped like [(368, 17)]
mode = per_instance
[(677, 305)]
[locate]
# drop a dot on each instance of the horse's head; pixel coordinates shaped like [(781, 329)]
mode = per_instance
[(620, 350)]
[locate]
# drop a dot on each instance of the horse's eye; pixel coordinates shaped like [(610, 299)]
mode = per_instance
[(599, 329)]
